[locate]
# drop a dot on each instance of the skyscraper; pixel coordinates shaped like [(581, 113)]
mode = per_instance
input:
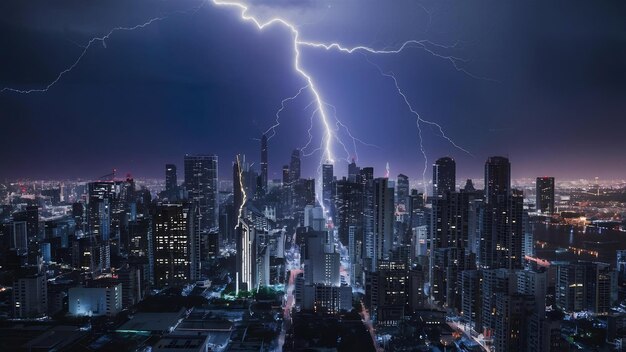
[(348, 205), (383, 220), (502, 222), (497, 178), (444, 176), (353, 171), (169, 245), (327, 187), (264, 164), (171, 179), (201, 184), (545, 195), (402, 192)]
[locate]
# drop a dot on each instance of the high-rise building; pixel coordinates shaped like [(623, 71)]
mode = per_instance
[(171, 180), (169, 245), (353, 171), (502, 218), (328, 179), (513, 321), (586, 286), (348, 205), (444, 176), (201, 183), (30, 296), (264, 164), (383, 220), (367, 180), (402, 193), (545, 195)]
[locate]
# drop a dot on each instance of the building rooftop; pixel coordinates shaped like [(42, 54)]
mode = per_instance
[(153, 322)]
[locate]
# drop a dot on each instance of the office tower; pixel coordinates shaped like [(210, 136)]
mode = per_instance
[(302, 193), (169, 245), (402, 193), (471, 303), (353, 171), (253, 257), (497, 178), (294, 166), (383, 220), (264, 164), (584, 286), (30, 295), (393, 291), (98, 208), (171, 180), (495, 281), (321, 262), (201, 183), (327, 188), (444, 176), (348, 205), (367, 180), (534, 283), (512, 316), (545, 195), (502, 223)]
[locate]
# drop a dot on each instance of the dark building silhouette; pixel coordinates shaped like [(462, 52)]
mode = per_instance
[(502, 225), (545, 195), (444, 176), (171, 179), (201, 184)]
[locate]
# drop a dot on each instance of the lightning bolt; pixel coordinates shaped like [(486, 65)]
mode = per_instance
[(282, 107), (423, 44), (418, 120), (101, 40), (327, 156), (354, 139), (243, 192), (243, 12)]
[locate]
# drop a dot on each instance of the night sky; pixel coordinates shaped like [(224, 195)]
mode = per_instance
[(207, 82)]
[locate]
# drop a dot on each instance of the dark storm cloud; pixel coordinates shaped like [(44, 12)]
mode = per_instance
[(210, 83)]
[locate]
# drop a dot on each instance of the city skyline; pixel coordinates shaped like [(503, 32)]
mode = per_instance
[(540, 123)]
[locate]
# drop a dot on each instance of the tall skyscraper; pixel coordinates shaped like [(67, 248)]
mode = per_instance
[(383, 220), (353, 171), (201, 183), (367, 181), (264, 164), (169, 245), (348, 205), (171, 179), (327, 187), (545, 195), (502, 218), (402, 193), (497, 178), (444, 176)]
